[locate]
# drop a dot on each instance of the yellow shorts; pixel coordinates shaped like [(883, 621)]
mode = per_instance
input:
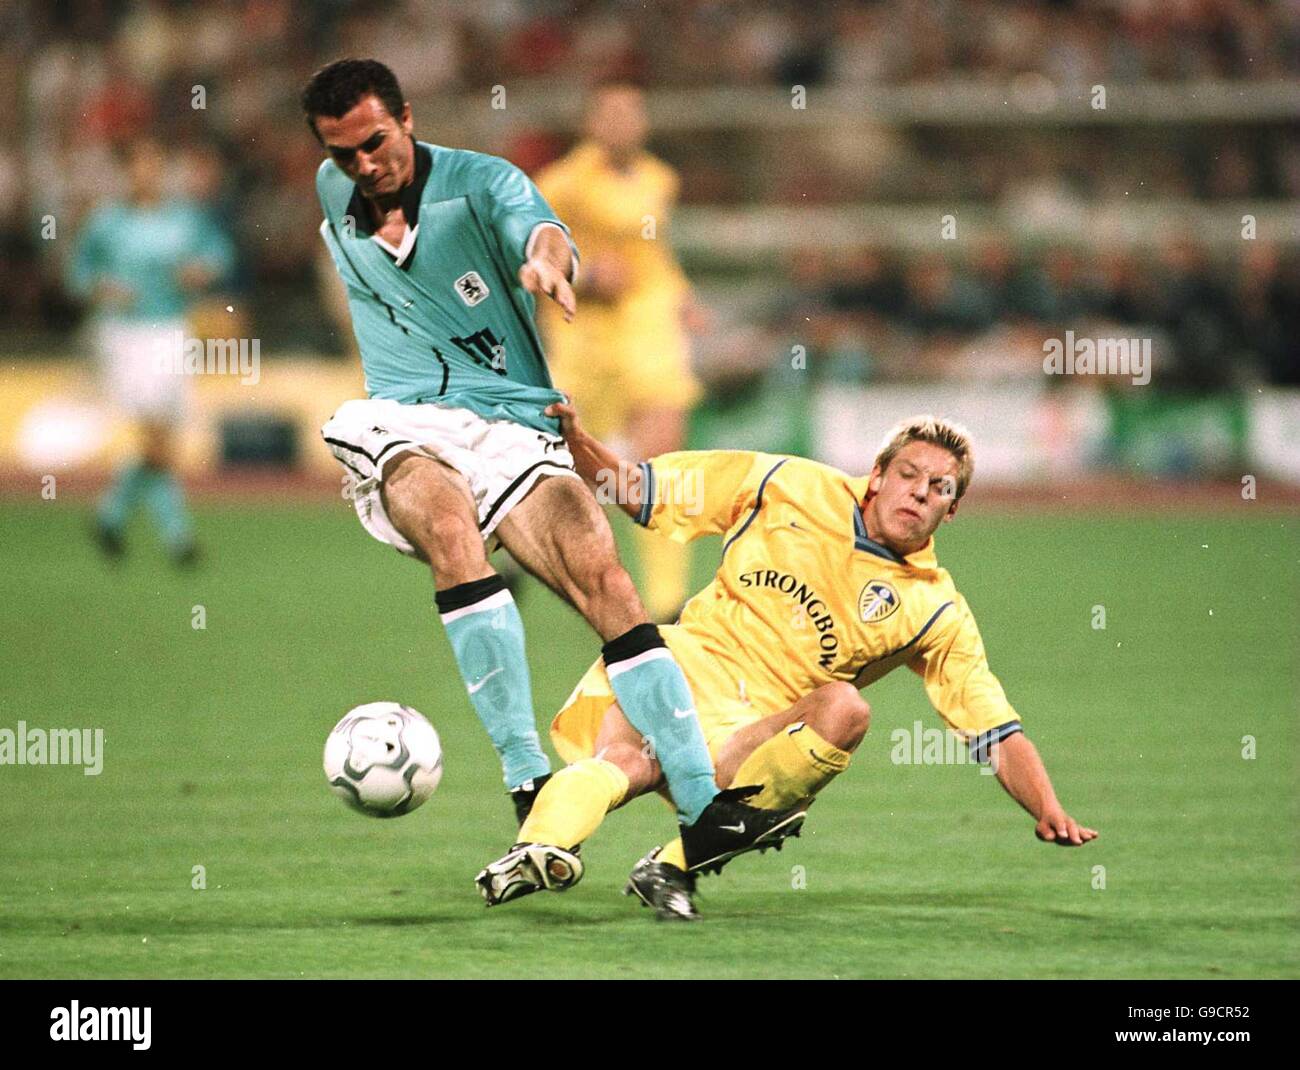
[(719, 700)]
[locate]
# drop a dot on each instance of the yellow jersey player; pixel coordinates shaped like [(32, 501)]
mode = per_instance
[(626, 361), (827, 582)]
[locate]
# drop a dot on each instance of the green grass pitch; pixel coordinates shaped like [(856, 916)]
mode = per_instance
[(213, 740)]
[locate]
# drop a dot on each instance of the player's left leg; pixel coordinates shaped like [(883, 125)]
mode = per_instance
[(612, 768), (162, 492), (796, 753), (561, 535), (792, 754), (658, 390)]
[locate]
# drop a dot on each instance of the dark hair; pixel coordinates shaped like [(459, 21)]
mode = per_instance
[(338, 87)]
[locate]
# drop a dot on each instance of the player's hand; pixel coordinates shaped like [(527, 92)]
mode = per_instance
[(540, 276), (1056, 826), (564, 411)]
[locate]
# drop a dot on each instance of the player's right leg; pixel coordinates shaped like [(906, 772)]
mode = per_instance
[(432, 507), (562, 536), (430, 510)]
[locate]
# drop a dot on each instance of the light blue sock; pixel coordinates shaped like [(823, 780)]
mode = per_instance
[(166, 501), (487, 637), (121, 498), (656, 699)]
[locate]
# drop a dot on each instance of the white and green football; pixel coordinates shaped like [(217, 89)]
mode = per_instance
[(383, 759)]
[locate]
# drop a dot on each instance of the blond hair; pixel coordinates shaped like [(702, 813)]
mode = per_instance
[(937, 431)]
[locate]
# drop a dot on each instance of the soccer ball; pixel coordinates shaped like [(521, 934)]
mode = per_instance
[(383, 759)]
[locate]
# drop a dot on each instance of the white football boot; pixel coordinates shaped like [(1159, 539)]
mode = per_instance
[(528, 868)]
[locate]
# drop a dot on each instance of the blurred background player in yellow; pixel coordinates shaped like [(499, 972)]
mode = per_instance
[(626, 361)]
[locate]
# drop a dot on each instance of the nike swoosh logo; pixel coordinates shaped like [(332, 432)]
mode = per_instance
[(681, 715), (739, 830), (476, 688)]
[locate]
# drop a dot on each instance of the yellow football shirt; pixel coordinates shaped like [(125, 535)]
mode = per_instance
[(802, 597), (630, 353), (621, 213)]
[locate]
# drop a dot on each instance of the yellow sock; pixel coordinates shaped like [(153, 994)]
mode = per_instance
[(572, 804), (674, 854), (792, 766), (665, 568)]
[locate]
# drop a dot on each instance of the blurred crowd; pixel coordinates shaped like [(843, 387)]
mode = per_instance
[(440, 43), (217, 81), (868, 316)]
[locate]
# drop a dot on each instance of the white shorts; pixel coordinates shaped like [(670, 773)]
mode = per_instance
[(136, 381), (500, 459)]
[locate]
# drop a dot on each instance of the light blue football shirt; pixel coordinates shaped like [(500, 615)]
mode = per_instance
[(143, 249), (448, 322)]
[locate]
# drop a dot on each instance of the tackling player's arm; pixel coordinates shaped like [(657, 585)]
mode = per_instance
[(1021, 771), (679, 495), (970, 699), (596, 462)]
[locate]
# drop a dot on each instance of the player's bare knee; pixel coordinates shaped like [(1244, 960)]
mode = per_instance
[(156, 446), (599, 584), (452, 547), (447, 541), (842, 716)]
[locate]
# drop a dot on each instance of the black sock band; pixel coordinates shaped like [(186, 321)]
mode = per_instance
[(467, 594), (631, 643)]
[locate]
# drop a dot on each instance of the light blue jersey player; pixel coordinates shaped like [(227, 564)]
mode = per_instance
[(443, 252), (139, 263)]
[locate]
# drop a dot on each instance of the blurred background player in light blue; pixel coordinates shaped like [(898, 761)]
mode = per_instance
[(140, 263)]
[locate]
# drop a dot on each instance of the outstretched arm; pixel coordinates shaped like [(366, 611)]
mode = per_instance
[(599, 465), (680, 495), (1020, 770)]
